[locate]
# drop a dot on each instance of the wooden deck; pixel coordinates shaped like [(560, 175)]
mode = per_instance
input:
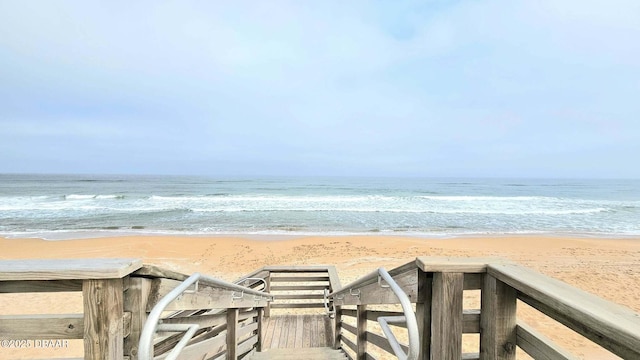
[(297, 331), (236, 322)]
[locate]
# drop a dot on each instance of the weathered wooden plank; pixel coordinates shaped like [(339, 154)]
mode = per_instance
[(153, 271), (299, 332), (300, 279), (334, 279), (248, 355), (26, 286), (349, 312), (350, 328), (206, 297), (446, 312), (328, 330), (169, 342), (437, 264), (471, 321), (247, 330), (284, 332), (293, 327), (260, 330), (59, 269), (232, 333), (247, 345), (373, 278), (383, 343), (612, 326), (337, 321), (205, 349), (67, 326), (497, 320), (361, 331), (297, 287), (350, 344), (245, 314), (473, 281), (135, 302), (423, 314), (297, 306), (296, 269), (203, 321), (321, 334), (373, 315), (299, 296), (126, 324), (267, 289), (103, 313), (315, 341), (539, 346), (375, 293), (306, 325), (277, 323), (269, 327)]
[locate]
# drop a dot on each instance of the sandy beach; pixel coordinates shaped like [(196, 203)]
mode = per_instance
[(609, 268)]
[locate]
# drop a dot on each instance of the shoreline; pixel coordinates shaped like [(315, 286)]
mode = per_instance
[(65, 235)]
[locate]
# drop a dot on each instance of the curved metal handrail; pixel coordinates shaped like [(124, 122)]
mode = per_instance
[(326, 302), (409, 316), (145, 345)]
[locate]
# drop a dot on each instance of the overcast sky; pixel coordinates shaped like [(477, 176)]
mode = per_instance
[(542, 88)]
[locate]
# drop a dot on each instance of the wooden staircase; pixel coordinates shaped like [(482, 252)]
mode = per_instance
[(322, 353)]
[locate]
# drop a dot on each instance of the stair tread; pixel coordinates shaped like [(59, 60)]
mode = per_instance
[(297, 353)]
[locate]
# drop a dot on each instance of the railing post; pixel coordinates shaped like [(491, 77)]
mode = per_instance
[(446, 312), (103, 313), (337, 327), (361, 336), (260, 330), (135, 302), (497, 320), (232, 334), (423, 313), (267, 289)]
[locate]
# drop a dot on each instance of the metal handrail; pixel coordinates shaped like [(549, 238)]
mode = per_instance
[(145, 345), (326, 302), (256, 279), (409, 316)]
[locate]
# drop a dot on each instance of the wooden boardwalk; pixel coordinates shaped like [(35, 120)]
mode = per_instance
[(297, 331), (236, 322)]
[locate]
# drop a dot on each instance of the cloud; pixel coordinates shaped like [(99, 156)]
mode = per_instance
[(410, 87)]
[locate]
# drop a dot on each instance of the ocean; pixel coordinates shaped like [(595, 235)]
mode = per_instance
[(77, 206)]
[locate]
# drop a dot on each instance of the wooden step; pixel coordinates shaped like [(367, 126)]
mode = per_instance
[(323, 353)]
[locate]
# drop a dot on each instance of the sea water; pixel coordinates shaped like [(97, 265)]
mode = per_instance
[(70, 206)]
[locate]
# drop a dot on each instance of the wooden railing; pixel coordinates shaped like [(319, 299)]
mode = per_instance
[(228, 316), (294, 287), (437, 287), (118, 295)]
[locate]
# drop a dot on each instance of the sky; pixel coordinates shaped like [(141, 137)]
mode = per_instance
[(475, 88)]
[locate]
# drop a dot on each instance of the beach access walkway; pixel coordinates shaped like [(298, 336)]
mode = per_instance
[(413, 311)]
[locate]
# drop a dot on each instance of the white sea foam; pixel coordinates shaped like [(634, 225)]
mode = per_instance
[(292, 206)]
